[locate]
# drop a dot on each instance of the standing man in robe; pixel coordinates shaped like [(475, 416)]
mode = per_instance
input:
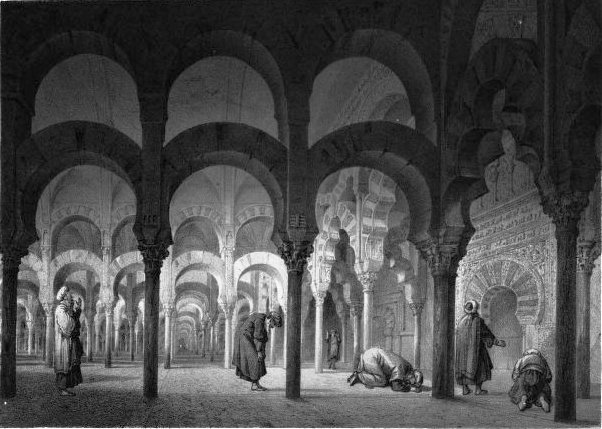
[(248, 356), (333, 339), (63, 351), (473, 337)]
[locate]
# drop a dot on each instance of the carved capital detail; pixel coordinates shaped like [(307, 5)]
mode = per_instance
[(355, 309), (153, 256), (416, 308), (295, 255), (585, 258), (11, 257), (368, 280), (168, 309), (565, 208), (319, 296), (227, 308), (439, 257), (48, 308)]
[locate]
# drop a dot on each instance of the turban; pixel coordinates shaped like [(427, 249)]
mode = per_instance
[(62, 293), (475, 306), (276, 318)]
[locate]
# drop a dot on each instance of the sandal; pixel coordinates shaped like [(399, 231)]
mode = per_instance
[(481, 392), (259, 387), (466, 390)]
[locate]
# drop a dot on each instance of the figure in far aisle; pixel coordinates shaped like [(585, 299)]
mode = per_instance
[(473, 338), (248, 356), (333, 339)]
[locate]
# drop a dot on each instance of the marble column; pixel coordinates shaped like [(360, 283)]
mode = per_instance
[(132, 338), (284, 336), (319, 337), (49, 340), (97, 323), (137, 332), (153, 256), (565, 210), (273, 336), (11, 259), (203, 339), (211, 339), (30, 328), (89, 335), (295, 256), (228, 309), (344, 337), (167, 312), (439, 258), (416, 308), (368, 279), (108, 334), (117, 338), (585, 266), (355, 311), (18, 346)]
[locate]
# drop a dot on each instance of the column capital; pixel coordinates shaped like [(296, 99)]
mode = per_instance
[(153, 255), (48, 308), (438, 256), (565, 208), (585, 257), (355, 309), (11, 256), (416, 307), (295, 255), (227, 308), (319, 296), (368, 280), (168, 309)]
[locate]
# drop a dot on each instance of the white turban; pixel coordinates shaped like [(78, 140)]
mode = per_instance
[(61, 293), (475, 306)]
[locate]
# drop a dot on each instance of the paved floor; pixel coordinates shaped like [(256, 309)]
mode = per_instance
[(198, 393)]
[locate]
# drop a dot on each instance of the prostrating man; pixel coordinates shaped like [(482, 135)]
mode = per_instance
[(473, 337), (532, 377), (249, 346), (379, 368)]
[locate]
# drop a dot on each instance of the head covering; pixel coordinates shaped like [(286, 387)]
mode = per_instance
[(276, 318), (419, 378), (62, 293), (474, 304), (532, 352)]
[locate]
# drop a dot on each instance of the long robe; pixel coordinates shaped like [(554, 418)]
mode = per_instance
[(249, 339), (63, 343), (532, 377), (473, 337), (334, 340), (378, 367)]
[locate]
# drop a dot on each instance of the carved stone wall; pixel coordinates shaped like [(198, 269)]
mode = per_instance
[(513, 247)]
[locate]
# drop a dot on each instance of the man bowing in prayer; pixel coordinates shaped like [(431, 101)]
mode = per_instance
[(473, 337), (249, 346)]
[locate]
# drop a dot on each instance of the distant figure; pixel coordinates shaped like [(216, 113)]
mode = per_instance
[(473, 337), (334, 340), (531, 377), (380, 368), (63, 342), (249, 346)]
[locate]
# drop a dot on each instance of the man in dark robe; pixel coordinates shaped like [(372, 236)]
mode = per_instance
[(532, 377), (77, 348), (473, 337), (333, 339), (248, 356), (380, 368)]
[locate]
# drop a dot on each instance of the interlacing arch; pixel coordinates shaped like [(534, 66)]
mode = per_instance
[(489, 278), (395, 150), (206, 261)]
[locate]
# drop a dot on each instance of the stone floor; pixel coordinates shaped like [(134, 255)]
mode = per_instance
[(198, 393)]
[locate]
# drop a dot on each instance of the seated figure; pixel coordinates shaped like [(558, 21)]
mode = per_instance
[(531, 376), (379, 368)]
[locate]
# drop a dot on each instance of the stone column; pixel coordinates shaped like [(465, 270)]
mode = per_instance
[(203, 338), (89, 335), (132, 338), (585, 266), (368, 279), (273, 347), (49, 343), (108, 331), (228, 309), (196, 340), (29, 337), (565, 210), (355, 311), (211, 338), (167, 311), (284, 337), (295, 256), (439, 258), (97, 323), (416, 308), (116, 326), (18, 335), (11, 259), (153, 256), (344, 337), (319, 338), (136, 332)]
